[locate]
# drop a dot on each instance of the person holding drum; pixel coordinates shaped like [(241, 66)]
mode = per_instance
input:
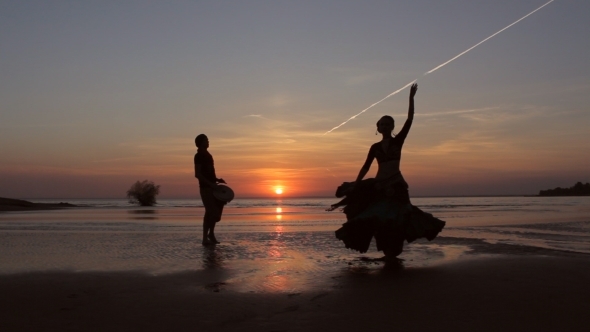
[(209, 189)]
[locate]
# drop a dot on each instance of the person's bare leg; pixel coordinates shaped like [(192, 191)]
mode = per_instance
[(394, 249), (218, 212), (211, 235), (206, 228)]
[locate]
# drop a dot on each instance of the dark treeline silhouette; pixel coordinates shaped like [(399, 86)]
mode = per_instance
[(11, 204), (579, 189)]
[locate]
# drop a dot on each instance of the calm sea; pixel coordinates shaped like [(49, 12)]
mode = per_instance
[(107, 234), (310, 213)]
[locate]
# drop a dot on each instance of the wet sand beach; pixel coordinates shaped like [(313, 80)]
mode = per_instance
[(499, 293), (495, 267)]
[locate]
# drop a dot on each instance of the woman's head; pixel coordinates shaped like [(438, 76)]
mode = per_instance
[(201, 141), (385, 124)]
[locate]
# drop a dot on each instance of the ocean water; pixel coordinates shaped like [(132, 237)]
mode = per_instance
[(275, 244), (298, 214)]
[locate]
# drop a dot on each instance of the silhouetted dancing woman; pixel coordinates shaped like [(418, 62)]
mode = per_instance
[(381, 207)]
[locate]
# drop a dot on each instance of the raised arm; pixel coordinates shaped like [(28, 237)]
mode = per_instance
[(413, 90), (406, 128)]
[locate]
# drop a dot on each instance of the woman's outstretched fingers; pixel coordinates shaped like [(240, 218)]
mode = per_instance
[(413, 89)]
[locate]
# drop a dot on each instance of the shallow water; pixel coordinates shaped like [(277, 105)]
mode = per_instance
[(275, 246), (252, 261)]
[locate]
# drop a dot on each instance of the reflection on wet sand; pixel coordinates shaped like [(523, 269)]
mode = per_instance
[(270, 262), (143, 214), (276, 280), (212, 257)]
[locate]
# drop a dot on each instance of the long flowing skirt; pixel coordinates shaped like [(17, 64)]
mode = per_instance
[(383, 210)]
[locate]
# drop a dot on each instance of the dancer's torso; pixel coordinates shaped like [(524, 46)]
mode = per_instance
[(388, 157)]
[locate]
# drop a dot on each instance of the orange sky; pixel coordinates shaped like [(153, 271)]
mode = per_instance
[(93, 100), (256, 155)]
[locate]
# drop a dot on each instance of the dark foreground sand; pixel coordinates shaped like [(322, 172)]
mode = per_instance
[(502, 293)]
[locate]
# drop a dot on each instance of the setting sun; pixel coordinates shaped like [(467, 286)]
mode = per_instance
[(279, 191)]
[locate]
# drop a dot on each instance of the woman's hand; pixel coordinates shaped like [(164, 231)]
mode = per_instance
[(413, 90), (221, 181)]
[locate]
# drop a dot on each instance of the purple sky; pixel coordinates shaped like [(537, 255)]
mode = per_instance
[(95, 95)]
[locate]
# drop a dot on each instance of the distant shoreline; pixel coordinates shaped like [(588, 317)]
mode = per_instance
[(265, 197), (10, 204), (22, 205)]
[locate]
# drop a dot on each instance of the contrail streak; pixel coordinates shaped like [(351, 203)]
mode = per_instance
[(437, 68), (366, 109), (483, 41)]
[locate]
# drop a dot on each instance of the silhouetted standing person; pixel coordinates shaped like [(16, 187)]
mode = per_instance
[(380, 207), (205, 172)]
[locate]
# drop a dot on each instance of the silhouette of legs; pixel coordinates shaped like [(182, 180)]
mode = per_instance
[(394, 248), (211, 235), (213, 211)]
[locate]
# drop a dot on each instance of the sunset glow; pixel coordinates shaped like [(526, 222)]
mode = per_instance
[(114, 112)]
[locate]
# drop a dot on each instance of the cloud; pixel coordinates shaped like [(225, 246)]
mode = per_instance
[(40, 125), (471, 142), (455, 112), (279, 100)]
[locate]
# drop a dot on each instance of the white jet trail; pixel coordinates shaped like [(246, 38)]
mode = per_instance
[(483, 41), (438, 67), (366, 109)]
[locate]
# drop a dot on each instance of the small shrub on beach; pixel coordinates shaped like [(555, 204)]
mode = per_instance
[(143, 193)]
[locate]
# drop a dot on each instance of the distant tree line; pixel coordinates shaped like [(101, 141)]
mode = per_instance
[(579, 189)]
